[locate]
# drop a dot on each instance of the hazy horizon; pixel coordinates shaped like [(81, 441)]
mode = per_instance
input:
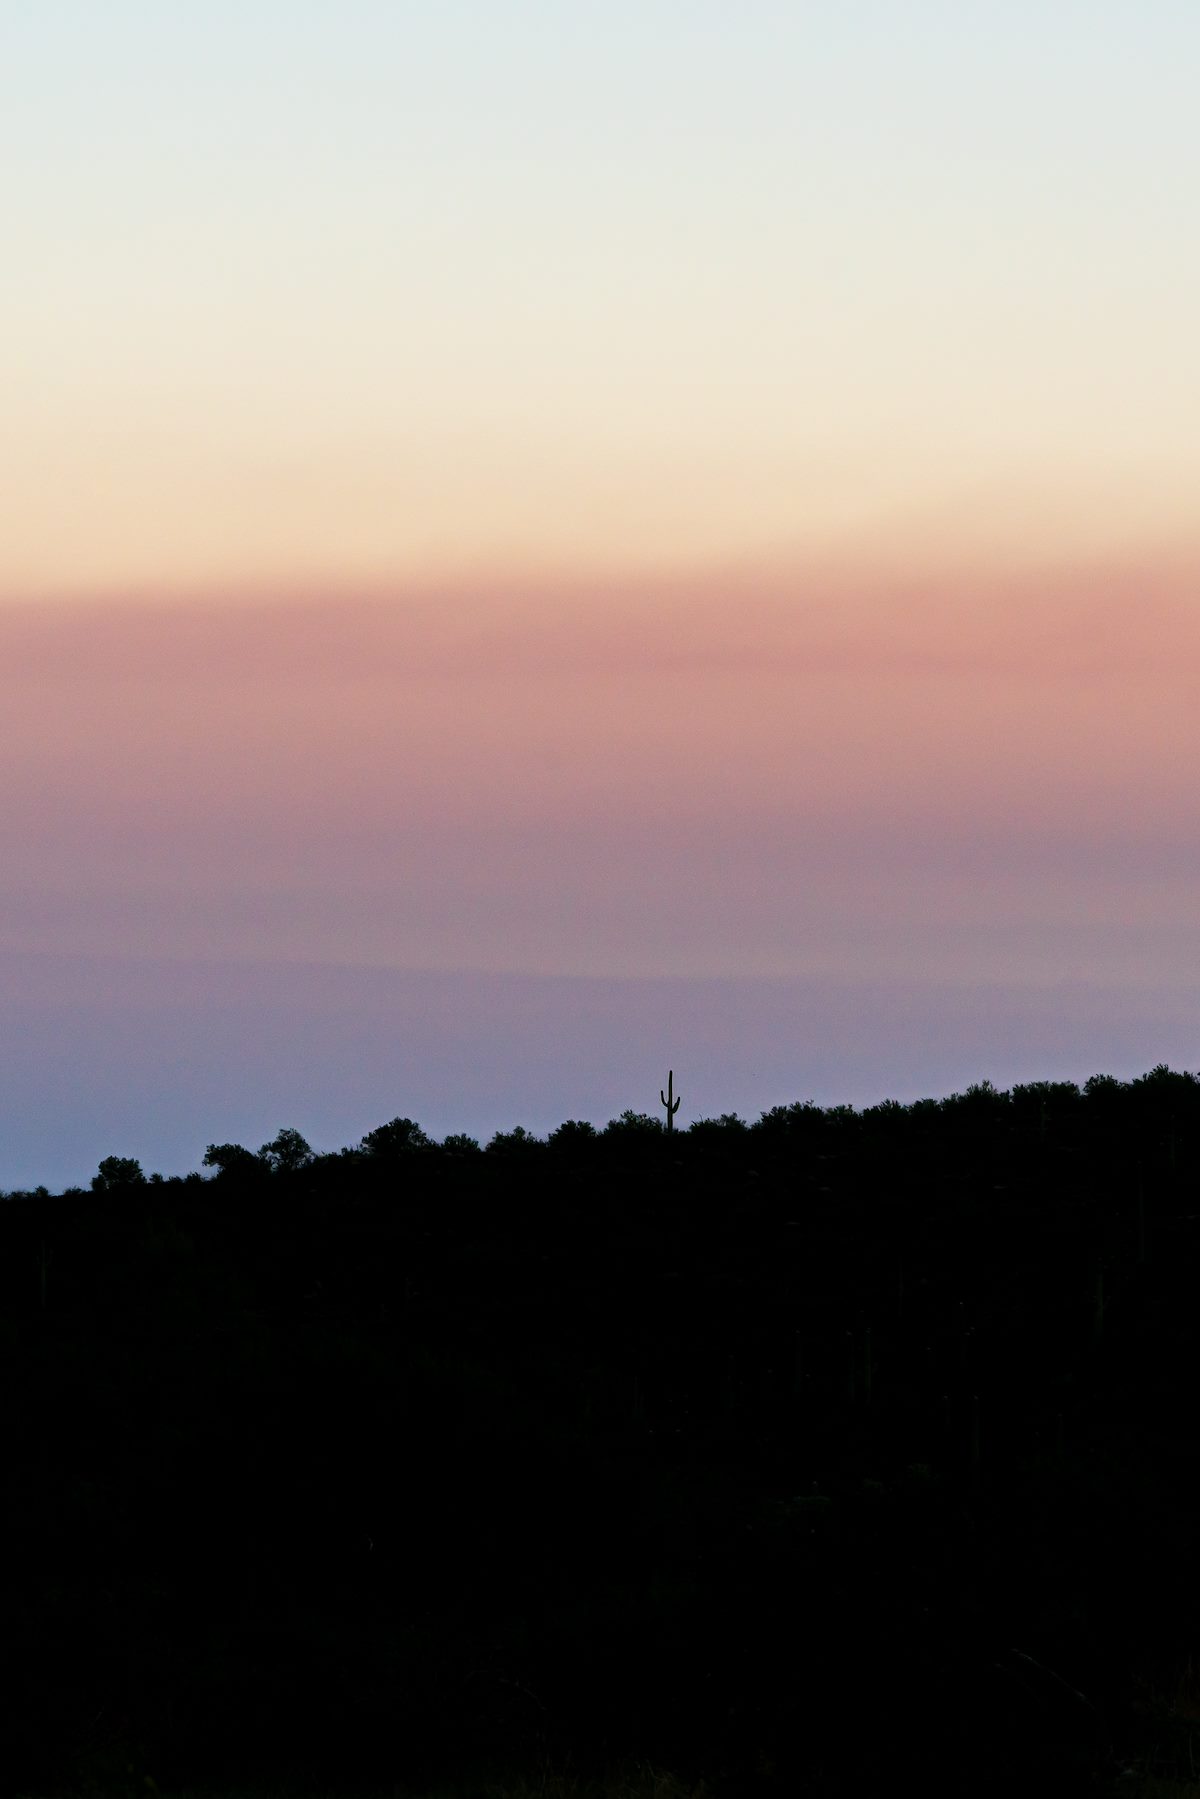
[(115, 1056)]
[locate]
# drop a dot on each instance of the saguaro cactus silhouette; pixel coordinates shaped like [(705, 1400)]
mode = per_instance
[(671, 1104)]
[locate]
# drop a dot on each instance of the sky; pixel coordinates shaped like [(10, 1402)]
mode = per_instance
[(605, 535)]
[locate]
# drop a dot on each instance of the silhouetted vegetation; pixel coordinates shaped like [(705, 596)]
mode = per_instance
[(816, 1454)]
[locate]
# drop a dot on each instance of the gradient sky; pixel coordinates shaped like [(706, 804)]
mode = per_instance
[(688, 498)]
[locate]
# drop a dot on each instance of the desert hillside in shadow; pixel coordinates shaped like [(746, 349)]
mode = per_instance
[(810, 1455)]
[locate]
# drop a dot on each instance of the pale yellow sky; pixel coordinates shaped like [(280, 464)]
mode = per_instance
[(371, 294)]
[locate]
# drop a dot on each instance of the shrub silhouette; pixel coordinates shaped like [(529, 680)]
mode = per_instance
[(630, 1126), (458, 1144)]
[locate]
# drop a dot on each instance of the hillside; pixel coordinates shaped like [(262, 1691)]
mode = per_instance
[(793, 1456)]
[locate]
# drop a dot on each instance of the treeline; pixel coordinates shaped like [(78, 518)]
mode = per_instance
[(806, 1454), (1156, 1105)]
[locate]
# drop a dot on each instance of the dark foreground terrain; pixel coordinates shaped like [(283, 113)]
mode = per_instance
[(821, 1455)]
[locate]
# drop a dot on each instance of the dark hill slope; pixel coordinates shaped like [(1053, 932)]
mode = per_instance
[(801, 1455)]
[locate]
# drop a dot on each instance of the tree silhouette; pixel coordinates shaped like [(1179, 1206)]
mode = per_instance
[(116, 1172), (231, 1158), (286, 1153), (399, 1138)]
